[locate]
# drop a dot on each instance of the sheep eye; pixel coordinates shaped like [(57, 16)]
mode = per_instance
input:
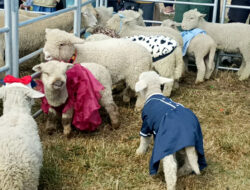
[(61, 45)]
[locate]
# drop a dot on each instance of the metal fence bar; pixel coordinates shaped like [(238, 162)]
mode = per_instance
[(77, 18), (7, 37), (4, 68), (230, 6), (33, 54), (15, 38), (5, 29)]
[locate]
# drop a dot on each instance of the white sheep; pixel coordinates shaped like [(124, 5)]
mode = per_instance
[(21, 152), (231, 37), (53, 72), (171, 66), (175, 128), (202, 47), (124, 59)]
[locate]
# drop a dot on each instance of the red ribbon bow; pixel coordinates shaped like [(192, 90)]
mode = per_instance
[(24, 80)]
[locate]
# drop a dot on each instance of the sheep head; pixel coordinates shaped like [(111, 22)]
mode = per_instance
[(191, 19), (18, 95), (60, 44), (134, 14), (171, 24), (88, 18), (53, 74), (150, 82)]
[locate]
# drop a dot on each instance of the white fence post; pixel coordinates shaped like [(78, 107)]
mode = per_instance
[(7, 21), (15, 37), (77, 18)]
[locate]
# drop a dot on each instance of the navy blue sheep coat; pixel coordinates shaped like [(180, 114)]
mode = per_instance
[(174, 128)]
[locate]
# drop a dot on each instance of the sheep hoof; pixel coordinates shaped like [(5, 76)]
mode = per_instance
[(115, 125), (140, 151), (67, 131), (126, 99), (199, 81), (50, 130)]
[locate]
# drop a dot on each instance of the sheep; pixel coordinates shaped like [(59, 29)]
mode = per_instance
[(231, 37), (21, 152), (171, 66), (176, 130), (53, 72), (203, 48), (128, 26), (31, 37), (125, 60)]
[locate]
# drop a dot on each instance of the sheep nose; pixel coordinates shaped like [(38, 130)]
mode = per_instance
[(58, 84), (47, 56)]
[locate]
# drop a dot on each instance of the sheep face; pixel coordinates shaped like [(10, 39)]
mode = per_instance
[(150, 82), (60, 45), (53, 74), (88, 19), (191, 19), (171, 24)]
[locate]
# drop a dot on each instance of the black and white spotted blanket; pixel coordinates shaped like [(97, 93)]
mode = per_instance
[(159, 46)]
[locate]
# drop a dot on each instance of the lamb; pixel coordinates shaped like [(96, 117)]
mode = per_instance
[(53, 72), (202, 47), (231, 37), (171, 66), (21, 152), (175, 128), (124, 59)]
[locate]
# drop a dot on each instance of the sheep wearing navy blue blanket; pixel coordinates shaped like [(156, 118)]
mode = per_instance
[(175, 128)]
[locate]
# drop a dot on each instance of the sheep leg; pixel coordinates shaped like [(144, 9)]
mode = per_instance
[(245, 67), (139, 102), (113, 112), (243, 64), (193, 159), (170, 171), (168, 89), (144, 143), (51, 121), (201, 68), (66, 122), (210, 64), (190, 157)]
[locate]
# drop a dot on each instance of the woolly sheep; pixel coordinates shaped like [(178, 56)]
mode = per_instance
[(128, 26), (231, 37), (125, 60), (203, 48), (54, 71), (105, 13), (20, 147), (173, 131), (171, 66), (31, 37)]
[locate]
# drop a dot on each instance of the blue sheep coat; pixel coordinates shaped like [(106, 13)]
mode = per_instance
[(174, 127)]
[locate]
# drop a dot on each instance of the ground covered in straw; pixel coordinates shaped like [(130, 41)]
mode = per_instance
[(106, 160)]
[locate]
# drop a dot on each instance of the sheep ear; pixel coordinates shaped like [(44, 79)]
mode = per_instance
[(75, 40), (33, 93), (140, 85), (202, 15), (141, 11), (177, 24), (164, 80), (37, 68), (128, 20), (110, 10)]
